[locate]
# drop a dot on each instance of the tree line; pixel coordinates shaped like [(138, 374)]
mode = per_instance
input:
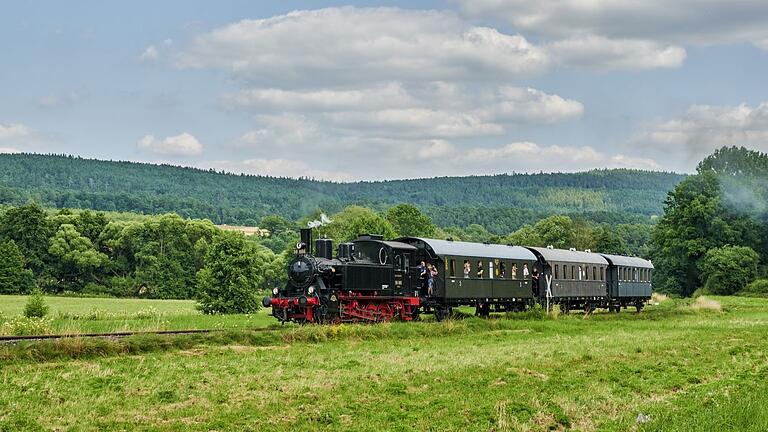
[(501, 203), (164, 256)]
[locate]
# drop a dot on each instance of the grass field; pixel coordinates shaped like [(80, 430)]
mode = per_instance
[(675, 367), (88, 315)]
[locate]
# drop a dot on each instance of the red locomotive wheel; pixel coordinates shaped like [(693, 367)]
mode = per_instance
[(386, 312), (373, 311)]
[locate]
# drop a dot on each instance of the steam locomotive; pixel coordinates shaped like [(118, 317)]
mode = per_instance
[(373, 280)]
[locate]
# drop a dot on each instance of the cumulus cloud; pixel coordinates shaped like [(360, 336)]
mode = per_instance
[(677, 22), (14, 131), (404, 93), (345, 45), (704, 128), (179, 145), (600, 53)]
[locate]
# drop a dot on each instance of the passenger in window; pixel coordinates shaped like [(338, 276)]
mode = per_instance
[(514, 271), (525, 271), (467, 269), (502, 270), (480, 269), (535, 275)]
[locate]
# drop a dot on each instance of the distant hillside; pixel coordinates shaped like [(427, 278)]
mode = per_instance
[(500, 202)]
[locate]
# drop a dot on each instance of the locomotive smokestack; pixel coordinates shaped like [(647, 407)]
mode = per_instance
[(306, 238)]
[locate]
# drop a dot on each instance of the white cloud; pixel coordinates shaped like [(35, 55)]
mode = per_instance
[(366, 98), (346, 45), (14, 131), (149, 54), (677, 22), (416, 122), (7, 150), (179, 145), (432, 111), (704, 128), (529, 106), (600, 53)]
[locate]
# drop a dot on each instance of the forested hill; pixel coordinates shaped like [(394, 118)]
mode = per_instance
[(500, 202)]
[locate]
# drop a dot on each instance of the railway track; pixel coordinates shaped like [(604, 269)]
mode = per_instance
[(116, 335)]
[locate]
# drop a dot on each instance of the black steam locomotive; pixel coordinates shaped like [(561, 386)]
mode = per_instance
[(372, 279)]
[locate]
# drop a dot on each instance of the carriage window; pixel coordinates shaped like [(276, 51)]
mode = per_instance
[(586, 273), (480, 271), (452, 268), (580, 273), (514, 271), (594, 273), (636, 275), (573, 272), (602, 273), (502, 269), (556, 269)]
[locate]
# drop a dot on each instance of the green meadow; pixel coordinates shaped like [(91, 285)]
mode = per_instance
[(77, 315), (681, 365)]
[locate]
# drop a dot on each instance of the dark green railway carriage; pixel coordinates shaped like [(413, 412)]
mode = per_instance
[(629, 281), (498, 275), (571, 278)]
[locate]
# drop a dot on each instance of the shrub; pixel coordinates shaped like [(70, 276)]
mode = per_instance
[(36, 307), (758, 288)]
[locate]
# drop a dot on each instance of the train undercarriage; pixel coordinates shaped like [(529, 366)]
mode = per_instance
[(348, 307)]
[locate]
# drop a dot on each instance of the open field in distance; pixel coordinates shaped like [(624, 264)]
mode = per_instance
[(677, 366), (89, 315)]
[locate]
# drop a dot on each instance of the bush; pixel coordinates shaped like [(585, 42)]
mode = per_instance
[(758, 288), (36, 307)]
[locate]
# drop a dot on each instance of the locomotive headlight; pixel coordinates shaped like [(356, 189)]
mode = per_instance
[(311, 290), (275, 291)]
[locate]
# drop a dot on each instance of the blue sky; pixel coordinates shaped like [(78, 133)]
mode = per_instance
[(372, 90)]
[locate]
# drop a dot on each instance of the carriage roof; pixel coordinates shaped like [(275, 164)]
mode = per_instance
[(626, 261), (474, 250), (569, 256)]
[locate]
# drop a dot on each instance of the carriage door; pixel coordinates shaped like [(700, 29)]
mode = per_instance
[(402, 278)]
